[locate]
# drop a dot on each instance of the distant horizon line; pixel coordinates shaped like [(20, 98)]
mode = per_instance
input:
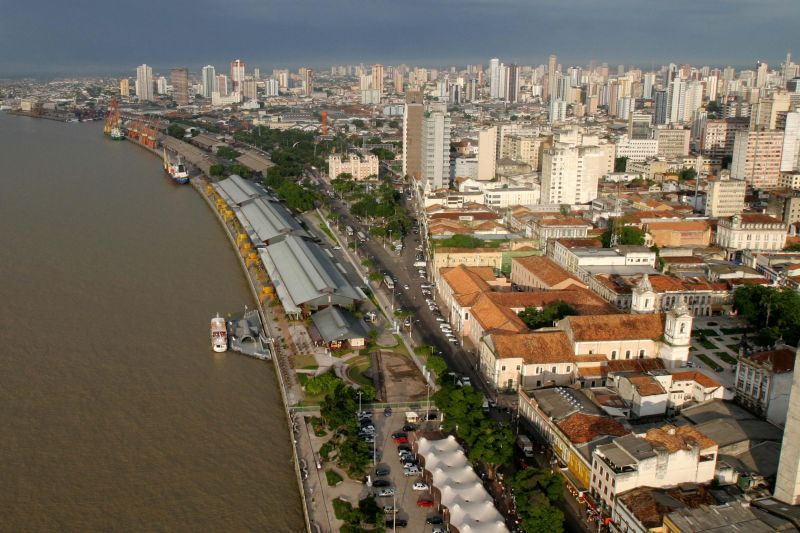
[(161, 69)]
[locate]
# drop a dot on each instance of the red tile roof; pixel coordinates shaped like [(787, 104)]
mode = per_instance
[(780, 360), (546, 270), (580, 428), (696, 376), (535, 347), (616, 327)]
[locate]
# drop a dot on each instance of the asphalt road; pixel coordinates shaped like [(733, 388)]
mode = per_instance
[(425, 329)]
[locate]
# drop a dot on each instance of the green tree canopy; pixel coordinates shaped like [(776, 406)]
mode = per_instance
[(620, 164), (627, 234), (535, 319), (774, 312)]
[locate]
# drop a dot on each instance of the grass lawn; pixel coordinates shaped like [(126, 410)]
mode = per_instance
[(341, 508), (305, 361), (356, 368), (707, 360), (706, 332), (705, 343), (333, 478), (726, 357)]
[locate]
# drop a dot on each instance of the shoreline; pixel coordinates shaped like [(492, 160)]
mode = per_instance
[(197, 184)]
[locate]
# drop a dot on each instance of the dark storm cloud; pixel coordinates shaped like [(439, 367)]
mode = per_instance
[(95, 36)]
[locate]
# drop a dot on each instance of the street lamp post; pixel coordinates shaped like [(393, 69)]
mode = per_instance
[(359, 403)]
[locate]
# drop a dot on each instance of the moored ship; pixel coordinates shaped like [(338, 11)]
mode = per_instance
[(219, 334), (176, 168)]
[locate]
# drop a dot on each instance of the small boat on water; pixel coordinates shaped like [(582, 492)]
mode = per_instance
[(219, 334)]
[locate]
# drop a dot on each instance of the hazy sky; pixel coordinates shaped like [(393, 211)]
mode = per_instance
[(88, 36)]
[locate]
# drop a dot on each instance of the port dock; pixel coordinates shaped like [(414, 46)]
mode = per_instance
[(246, 336)]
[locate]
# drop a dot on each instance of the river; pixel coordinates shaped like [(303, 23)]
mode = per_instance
[(114, 413)]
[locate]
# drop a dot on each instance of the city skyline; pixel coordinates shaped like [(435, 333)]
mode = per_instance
[(318, 34)]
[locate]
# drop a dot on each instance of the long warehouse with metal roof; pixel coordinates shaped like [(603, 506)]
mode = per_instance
[(305, 278), (263, 218)]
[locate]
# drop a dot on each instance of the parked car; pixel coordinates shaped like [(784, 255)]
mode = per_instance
[(401, 440), (387, 411), (408, 463), (397, 522), (435, 520), (382, 471), (404, 448), (381, 483), (412, 471), (390, 509), (399, 434), (437, 529), (409, 427), (406, 287), (424, 502), (464, 381), (419, 485), (440, 319), (388, 491)]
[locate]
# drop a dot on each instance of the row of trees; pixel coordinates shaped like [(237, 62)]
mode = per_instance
[(775, 313), (536, 492), (485, 440), (379, 202), (339, 410)]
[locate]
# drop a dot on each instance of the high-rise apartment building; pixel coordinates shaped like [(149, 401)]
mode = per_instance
[(487, 154), (377, 78), (552, 65), (512, 83), (673, 142), (725, 197), (144, 83), (124, 88), (222, 85), (209, 80), (762, 72), (639, 126), (179, 78), (757, 157), (660, 106), (494, 78), (790, 157), (436, 148), (412, 134), (237, 74), (307, 79), (676, 101), (527, 149), (718, 135), (162, 87), (397, 78), (271, 87), (558, 111), (571, 170), (249, 88), (649, 81)]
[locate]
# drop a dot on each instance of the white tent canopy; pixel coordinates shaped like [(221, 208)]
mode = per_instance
[(471, 508)]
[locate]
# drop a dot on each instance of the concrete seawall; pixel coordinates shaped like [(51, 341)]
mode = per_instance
[(198, 184)]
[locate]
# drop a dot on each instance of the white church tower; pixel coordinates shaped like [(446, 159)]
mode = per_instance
[(643, 299), (677, 336)]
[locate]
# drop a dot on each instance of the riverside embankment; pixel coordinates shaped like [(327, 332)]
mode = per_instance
[(257, 283)]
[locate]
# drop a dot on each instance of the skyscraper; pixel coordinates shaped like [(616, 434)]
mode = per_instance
[(179, 77), (377, 78), (552, 65), (436, 147), (144, 83), (512, 83), (660, 106), (790, 157), (124, 88), (237, 74), (249, 88), (762, 71), (209, 80), (398, 81), (412, 134), (222, 85), (494, 78), (676, 101), (307, 78), (487, 153)]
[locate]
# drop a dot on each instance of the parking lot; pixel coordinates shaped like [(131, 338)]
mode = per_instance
[(405, 497)]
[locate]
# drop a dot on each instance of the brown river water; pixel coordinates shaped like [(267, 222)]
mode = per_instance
[(115, 415)]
